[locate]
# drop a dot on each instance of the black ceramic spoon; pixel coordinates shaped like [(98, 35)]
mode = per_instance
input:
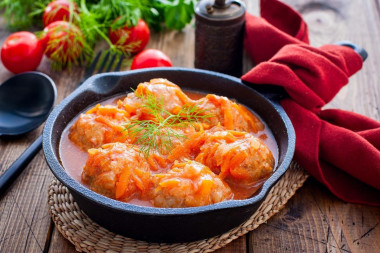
[(25, 102)]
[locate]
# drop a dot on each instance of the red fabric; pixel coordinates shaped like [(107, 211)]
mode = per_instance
[(339, 148)]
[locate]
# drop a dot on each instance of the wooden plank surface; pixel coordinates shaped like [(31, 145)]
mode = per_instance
[(312, 221)]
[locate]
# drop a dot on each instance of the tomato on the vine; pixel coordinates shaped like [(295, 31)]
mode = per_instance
[(130, 39), (63, 42), (150, 58), (58, 10), (21, 52)]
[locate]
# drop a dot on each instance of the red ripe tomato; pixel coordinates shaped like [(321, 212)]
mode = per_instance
[(150, 58), (21, 52), (63, 42), (131, 39), (58, 10)]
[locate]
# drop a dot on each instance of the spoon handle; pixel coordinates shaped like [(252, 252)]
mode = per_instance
[(19, 165)]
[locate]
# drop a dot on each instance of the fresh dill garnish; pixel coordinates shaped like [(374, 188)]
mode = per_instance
[(163, 127)]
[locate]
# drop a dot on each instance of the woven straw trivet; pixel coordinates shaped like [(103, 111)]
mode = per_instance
[(87, 236)]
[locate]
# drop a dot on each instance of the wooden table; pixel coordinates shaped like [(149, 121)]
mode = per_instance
[(312, 221)]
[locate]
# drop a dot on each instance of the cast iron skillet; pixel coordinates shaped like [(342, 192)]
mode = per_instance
[(167, 224)]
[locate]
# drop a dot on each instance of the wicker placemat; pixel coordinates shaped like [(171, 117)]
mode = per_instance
[(87, 236)]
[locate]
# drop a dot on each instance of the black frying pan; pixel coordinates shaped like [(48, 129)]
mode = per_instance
[(167, 224)]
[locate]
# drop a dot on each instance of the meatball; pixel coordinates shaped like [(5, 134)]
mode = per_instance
[(162, 91), (188, 184), (118, 171), (236, 157), (98, 126), (170, 147), (230, 115)]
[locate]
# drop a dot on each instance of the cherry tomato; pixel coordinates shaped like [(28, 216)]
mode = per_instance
[(58, 10), (131, 39), (150, 58), (21, 52), (63, 42)]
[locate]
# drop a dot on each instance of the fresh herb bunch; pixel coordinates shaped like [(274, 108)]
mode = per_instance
[(23, 14), (95, 17), (159, 132), (172, 14)]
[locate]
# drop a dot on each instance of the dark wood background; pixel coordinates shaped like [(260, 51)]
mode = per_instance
[(312, 221)]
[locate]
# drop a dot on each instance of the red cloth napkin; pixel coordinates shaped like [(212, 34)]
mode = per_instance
[(339, 148)]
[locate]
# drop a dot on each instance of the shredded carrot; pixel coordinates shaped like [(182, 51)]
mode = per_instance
[(213, 99), (162, 162), (128, 108), (224, 170), (237, 159), (182, 96), (141, 179), (93, 109), (152, 163), (206, 187), (176, 109), (228, 117), (169, 183), (122, 184), (186, 149), (238, 133)]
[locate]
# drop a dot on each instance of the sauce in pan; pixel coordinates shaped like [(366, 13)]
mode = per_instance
[(208, 148)]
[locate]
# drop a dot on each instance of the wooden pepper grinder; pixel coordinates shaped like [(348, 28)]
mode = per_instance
[(219, 36)]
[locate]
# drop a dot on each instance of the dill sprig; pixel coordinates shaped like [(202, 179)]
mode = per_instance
[(159, 131)]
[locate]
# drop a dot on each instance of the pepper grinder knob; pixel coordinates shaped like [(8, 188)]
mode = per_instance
[(220, 3)]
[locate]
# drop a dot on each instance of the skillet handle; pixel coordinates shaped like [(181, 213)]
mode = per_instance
[(361, 51), (271, 92)]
